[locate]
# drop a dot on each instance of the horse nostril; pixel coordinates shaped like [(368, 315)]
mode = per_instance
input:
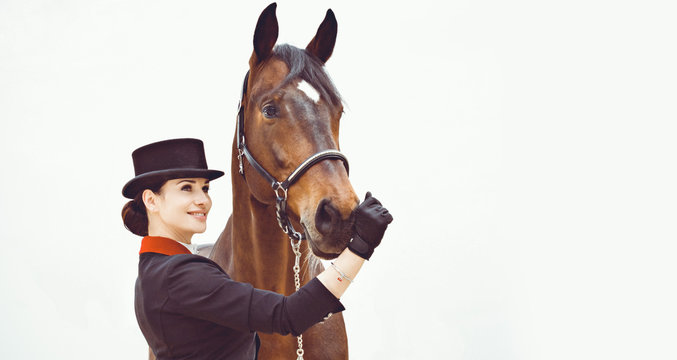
[(326, 217)]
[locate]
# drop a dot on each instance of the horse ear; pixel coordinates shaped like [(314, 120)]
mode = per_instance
[(322, 44), (265, 35)]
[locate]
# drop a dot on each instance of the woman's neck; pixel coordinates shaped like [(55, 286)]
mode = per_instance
[(174, 235)]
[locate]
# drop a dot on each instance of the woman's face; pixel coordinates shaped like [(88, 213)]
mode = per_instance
[(180, 209)]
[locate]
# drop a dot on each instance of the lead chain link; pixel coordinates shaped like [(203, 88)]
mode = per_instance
[(297, 282)]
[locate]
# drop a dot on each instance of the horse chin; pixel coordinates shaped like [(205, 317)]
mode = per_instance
[(316, 243)]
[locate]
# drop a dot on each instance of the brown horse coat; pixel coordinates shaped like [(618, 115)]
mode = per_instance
[(284, 124)]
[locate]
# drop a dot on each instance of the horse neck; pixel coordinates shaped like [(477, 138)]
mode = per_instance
[(262, 254)]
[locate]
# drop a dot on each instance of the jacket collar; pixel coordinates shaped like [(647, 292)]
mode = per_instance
[(162, 245)]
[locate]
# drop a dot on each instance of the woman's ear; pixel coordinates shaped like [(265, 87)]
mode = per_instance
[(150, 200)]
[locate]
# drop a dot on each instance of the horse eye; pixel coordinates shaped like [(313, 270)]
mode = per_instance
[(270, 111)]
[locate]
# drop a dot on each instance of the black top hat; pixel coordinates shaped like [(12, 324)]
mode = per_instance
[(165, 160)]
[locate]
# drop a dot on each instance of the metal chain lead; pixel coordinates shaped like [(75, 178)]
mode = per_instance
[(297, 282)]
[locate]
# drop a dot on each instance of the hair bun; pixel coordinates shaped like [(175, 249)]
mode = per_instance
[(134, 216)]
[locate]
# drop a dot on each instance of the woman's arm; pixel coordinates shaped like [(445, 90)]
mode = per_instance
[(347, 263), (197, 287)]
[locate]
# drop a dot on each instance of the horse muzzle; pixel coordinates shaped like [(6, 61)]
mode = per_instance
[(327, 230)]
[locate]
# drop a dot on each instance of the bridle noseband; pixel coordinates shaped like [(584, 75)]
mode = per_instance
[(279, 187)]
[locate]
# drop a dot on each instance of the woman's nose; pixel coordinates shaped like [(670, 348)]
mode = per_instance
[(202, 198)]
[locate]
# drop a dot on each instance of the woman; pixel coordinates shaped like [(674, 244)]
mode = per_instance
[(186, 305)]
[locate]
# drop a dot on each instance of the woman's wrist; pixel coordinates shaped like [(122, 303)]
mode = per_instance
[(342, 275), (338, 277)]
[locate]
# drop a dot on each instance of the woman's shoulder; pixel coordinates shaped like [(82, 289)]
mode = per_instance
[(181, 260), (194, 276), (177, 264)]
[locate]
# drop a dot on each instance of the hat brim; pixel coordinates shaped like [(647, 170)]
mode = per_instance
[(146, 180)]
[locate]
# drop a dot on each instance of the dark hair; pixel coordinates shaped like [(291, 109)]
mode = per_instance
[(134, 214)]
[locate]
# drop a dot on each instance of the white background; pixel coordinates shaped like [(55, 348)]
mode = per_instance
[(526, 149)]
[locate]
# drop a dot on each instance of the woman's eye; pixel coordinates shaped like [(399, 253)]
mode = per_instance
[(270, 111), (205, 189), (186, 188)]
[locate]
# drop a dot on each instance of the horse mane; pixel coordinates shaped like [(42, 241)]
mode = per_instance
[(309, 68)]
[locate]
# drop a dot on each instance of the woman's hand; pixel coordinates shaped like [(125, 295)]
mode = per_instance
[(371, 221)]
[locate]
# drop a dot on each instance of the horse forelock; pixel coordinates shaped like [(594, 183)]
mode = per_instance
[(306, 67)]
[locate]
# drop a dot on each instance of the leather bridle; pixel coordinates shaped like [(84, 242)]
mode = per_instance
[(279, 187)]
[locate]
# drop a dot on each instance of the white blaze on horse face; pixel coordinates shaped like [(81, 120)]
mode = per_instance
[(309, 91)]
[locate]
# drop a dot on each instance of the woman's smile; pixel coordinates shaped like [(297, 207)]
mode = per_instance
[(199, 215)]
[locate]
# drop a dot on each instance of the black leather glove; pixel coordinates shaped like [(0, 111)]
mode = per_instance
[(371, 221)]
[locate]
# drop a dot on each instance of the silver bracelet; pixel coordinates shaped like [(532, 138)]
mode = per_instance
[(341, 273)]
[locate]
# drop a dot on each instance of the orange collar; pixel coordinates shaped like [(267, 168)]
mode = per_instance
[(162, 245)]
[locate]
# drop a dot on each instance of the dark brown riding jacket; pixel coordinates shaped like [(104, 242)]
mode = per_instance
[(189, 308)]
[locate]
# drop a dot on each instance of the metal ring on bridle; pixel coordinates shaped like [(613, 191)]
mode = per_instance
[(277, 187)]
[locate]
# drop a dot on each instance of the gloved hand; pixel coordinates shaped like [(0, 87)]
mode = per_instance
[(371, 221)]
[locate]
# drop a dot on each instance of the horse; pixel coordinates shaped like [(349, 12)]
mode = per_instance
[(288, 124)]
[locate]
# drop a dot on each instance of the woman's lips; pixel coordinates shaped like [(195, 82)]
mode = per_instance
[(199, 215)]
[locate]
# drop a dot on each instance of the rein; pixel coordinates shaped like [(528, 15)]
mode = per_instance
[(281, 189)]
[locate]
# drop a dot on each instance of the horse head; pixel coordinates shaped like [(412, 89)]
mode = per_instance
[(291, 112)]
